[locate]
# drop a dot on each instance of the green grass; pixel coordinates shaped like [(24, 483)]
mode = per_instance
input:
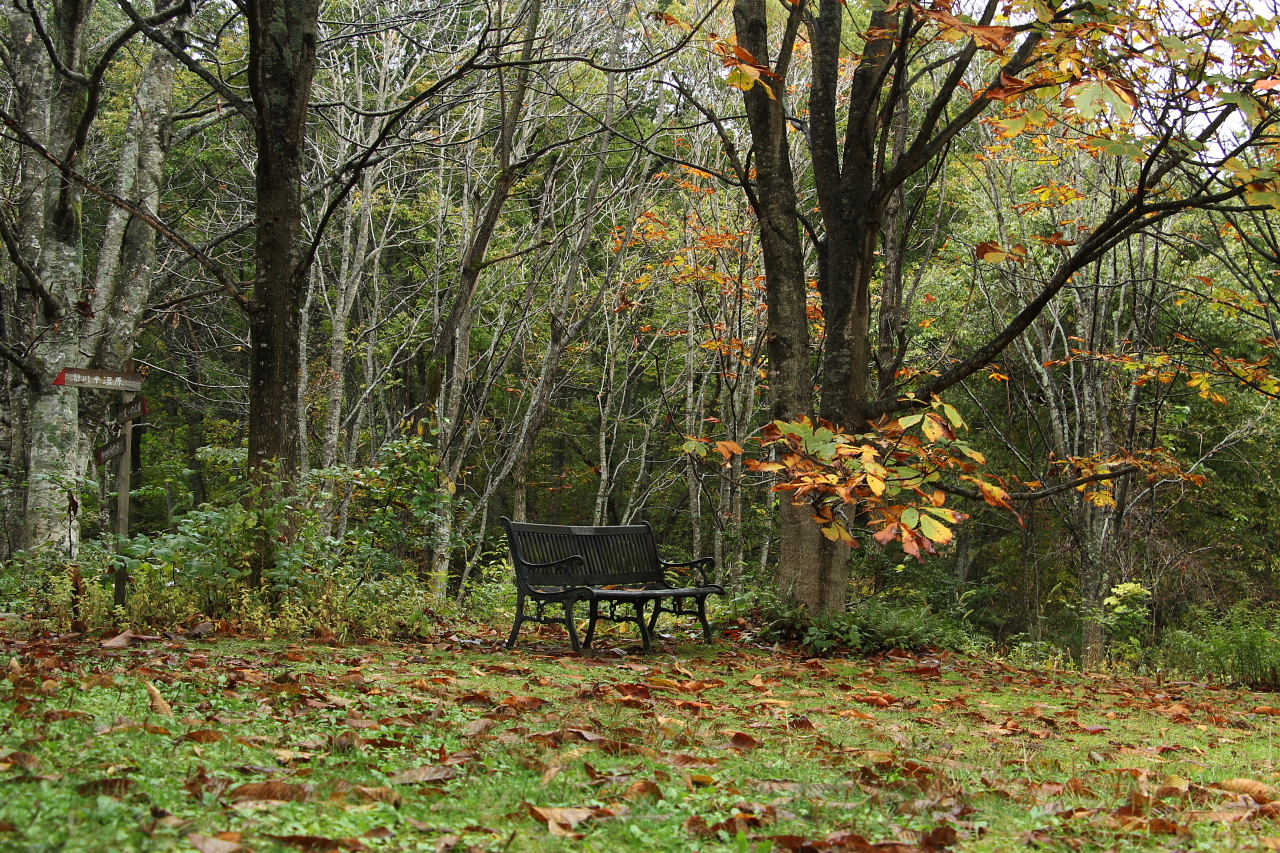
[(694, 748)]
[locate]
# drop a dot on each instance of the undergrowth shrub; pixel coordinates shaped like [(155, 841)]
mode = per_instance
[(319, 586), (1242, 645), (873, 625)]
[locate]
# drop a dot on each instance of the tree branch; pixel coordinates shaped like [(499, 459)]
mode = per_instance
[(241, 106), (228, 285), (1038, 494), (51, 303)]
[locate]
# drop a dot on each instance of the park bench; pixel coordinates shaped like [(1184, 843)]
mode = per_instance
[(618, 565)]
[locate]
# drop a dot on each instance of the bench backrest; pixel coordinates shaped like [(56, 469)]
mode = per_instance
[(623, 554)]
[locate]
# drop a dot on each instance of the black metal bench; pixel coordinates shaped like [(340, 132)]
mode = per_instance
[(557, 565)]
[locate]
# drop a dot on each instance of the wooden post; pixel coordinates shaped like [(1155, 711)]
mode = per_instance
[(122, 503)]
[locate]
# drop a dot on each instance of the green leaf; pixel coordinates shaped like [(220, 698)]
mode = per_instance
[(935, 531), (1117, 148)]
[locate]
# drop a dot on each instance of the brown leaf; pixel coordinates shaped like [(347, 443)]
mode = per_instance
[(479, 726), (560, 821), (205, 844), (59, 714), (939, 839), (279, 791), (380, 794), (319, 844), (119, 641), (25, 760), (1260, 792), (426, 773), (1172, 786), (158, 703), (523, 703), (742, 740), (200, 782), (696, 825), (203, 736), (643, 789), (115, 787), (1163, 826)]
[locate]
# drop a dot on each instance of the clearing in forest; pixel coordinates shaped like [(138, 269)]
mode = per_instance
[(232, 744)]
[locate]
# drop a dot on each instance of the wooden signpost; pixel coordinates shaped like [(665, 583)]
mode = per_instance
[(130, 408), (111, 379)]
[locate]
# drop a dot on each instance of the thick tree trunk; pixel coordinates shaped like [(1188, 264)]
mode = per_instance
[(57, 459), (801, 550), (282, 56), (282, 61)]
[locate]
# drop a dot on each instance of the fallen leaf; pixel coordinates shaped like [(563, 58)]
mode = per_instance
[(742, 740), (318, 843), (643, 789), (426, 773), (279, 791), (205, 844), (1260, 792), (119, 641), (115, 787), (560, 821), (203, 736), (158, 703), (380, 794)]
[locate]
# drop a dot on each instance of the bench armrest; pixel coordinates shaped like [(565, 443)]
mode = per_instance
[(705, 566), (568, 563)]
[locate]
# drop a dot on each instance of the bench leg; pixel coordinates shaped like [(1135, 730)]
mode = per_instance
[(592, 615), (515, 629), (644, 626), (572, 625), (653, 618), (702, 617)]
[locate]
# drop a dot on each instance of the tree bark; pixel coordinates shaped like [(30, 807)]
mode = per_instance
[(57, 457), (801, 551), (282, 61)]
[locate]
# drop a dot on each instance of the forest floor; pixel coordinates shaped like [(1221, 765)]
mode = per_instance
[(225, 744)]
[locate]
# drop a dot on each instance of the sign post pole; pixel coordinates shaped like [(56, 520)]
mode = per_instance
[(122, 501), (129, 383)]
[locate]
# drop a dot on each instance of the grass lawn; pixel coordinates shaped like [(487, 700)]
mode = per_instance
[(226, 744)]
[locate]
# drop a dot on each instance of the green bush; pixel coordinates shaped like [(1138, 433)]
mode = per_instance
[(875, 625), (1241, 646)]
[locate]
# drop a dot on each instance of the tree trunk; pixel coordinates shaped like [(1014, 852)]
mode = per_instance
[(282, 60), (56, 459), (801, 552)]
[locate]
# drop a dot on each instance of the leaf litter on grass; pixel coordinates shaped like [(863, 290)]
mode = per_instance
[(211, 741)]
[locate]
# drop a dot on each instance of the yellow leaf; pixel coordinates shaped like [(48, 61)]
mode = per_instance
[(158, 703), (936, 531)]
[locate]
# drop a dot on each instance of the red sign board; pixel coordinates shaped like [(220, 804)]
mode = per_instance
[(82, 377), (112, 449)]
